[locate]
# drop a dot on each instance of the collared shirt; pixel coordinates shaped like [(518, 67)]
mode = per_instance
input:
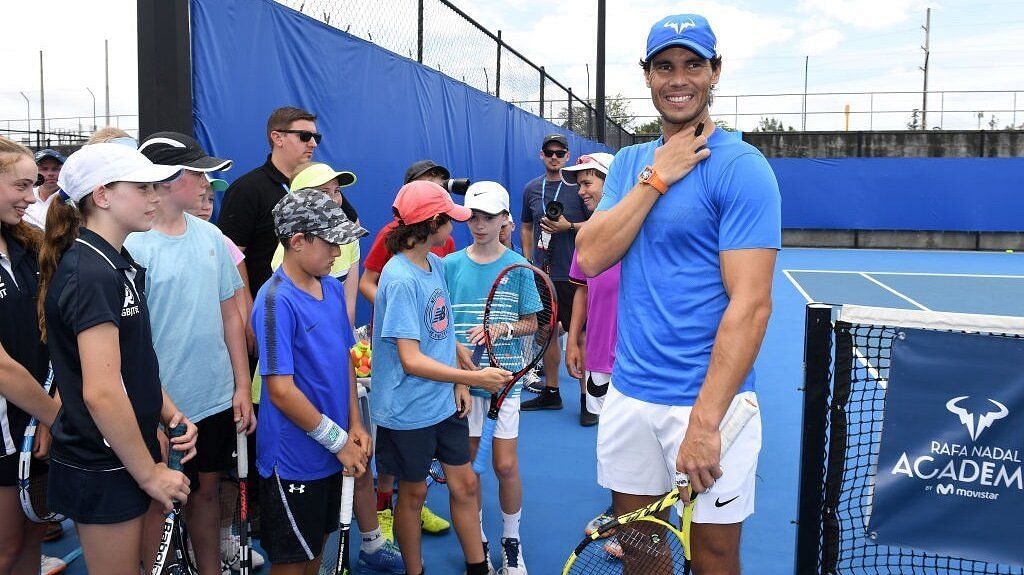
[(536, 196), (35, 214), (19, 332), (95, 284)]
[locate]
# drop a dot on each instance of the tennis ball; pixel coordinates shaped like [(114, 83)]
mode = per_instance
[(1009, 251)]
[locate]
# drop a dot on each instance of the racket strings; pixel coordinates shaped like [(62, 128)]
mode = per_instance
[(636, 548), (524, 298)]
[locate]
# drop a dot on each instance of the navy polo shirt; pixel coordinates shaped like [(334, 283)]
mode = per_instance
[(19, 333), (95, 284)]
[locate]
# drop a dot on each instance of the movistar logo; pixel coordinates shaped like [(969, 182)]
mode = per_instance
[(975, 423), (680, 26)]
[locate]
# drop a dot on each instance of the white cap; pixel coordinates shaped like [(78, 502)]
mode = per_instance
[(487, 197), (599, 161), (102, 164)]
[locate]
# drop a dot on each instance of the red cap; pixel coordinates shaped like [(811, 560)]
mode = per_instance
[(421, 200)]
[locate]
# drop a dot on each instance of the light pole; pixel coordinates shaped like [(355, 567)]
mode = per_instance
[(93, 108), (28, 112)]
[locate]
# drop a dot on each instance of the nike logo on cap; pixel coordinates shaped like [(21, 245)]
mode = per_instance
[(719, 503)]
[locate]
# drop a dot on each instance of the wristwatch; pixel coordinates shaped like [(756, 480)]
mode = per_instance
[(510, 334), (650, 177), (572, 227)]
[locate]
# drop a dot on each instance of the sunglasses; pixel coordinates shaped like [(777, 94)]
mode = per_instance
[(590, 160), (556, 153), (304, 135)]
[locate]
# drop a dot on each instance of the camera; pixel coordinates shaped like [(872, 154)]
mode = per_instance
[(457, 186), (552, 211)]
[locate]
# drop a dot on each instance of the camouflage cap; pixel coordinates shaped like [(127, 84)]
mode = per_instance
[(310, 211)]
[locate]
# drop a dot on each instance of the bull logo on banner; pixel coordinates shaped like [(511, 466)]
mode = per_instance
[(967, 418)]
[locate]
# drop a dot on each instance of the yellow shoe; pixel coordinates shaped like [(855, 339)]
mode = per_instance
[(386, 520), (432, 523)]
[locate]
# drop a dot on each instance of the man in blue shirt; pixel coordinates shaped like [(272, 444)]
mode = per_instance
[(695, 220)]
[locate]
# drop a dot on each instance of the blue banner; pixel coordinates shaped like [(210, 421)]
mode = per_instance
[(949, 468)]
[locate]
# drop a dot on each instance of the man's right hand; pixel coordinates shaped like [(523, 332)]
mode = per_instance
[(491, 379), (678, 156)]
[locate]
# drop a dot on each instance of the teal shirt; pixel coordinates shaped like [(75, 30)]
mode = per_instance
[(187, 278)]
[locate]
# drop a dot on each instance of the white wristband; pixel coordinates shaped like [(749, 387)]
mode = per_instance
[(329, 434)]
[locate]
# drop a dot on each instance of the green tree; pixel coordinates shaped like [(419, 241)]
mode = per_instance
[(915, 120), (772, 125)]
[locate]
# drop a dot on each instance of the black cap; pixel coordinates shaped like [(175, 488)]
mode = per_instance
[(559, 138), (50, 153), (175, 149), (421, 167)]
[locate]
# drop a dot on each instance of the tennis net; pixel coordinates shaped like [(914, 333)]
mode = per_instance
[(847, 356)]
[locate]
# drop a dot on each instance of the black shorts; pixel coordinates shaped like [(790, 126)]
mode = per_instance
[(103, 497), (9, 469), (297, 515), (565, 291), (407, 453), (215, 447)]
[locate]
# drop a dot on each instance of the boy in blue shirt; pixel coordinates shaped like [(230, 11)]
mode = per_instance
[(470, 273), (310, 432), (420, 399)]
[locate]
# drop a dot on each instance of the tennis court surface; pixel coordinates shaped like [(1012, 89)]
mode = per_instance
[(557, 455)]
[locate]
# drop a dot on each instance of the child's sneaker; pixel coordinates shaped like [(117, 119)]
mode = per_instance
[(512, 557), (387, 559), (386, 520), (596, 523), (433, 523)]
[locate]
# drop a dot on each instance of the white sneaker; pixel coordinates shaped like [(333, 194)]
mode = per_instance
[(512, 562), (51, 565), (229, 555)]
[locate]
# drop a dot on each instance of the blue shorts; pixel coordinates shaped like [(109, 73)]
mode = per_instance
[(102, 497), (407, 453)]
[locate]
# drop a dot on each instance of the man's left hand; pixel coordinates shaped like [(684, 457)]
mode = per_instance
[(555, 226)]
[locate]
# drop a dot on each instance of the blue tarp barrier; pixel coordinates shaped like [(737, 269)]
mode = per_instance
[(378, 111), (951, 194)]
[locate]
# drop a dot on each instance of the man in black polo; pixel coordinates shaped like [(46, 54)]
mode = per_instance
[(549, 244)]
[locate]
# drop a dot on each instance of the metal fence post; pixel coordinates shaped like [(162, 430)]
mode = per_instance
[(419, 32), (542, 75), (569, 113), (497, 71)]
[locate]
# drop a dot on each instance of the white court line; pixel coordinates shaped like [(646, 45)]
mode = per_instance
[(894, 292), (798, 287), (929, 274)]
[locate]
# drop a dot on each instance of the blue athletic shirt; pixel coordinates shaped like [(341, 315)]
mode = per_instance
[(411, 303), (308, 339), (671, 296), (469, 284)]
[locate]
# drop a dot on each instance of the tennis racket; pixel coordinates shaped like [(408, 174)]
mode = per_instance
[(643, 543), (522, 298), (32, 488), (436, 474), (242, 513), (334, 558), (174, 536)]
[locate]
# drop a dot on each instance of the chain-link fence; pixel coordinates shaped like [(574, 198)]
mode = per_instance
[(438, 34)]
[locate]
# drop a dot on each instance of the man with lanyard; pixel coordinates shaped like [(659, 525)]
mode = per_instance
[(696, 221), (49, 163), (549, 244)]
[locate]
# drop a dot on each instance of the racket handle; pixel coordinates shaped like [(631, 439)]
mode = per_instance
[(478, 354), (483, 453), (173, 455), (347, 490), (242, 452), (730, 430)]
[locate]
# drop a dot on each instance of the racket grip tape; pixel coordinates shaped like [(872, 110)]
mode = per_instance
[(483, 453), (347, 491), (242, 452), (745, 411), (173, 455)]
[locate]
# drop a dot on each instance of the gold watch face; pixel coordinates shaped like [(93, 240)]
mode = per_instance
[(645, 174)]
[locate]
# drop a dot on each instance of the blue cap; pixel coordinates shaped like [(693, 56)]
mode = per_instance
[(690, 31), (49, 153)]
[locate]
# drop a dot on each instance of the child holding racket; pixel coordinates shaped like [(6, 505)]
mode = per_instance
[(23, 359), (309, 431), (104, 461), (470, 274), (420, 414)]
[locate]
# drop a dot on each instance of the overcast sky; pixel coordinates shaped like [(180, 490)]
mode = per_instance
[(853, 46)]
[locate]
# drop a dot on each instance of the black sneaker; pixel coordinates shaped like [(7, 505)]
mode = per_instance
[(549, 399), (587, 419)]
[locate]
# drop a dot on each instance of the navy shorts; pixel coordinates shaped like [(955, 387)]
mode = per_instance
[(565, 291), (9, 469), (297, 515), (215, 447), (102, 497), (407, 453)]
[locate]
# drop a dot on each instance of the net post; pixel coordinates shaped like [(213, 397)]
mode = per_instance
[(817, 381)]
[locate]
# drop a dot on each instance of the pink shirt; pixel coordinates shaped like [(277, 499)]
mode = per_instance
[(236, 254), (602, 314)]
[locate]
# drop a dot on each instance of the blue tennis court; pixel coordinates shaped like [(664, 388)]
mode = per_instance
[(557, 455)]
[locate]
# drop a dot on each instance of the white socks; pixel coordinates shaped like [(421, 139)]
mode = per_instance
[(511, 524), (372, 540)]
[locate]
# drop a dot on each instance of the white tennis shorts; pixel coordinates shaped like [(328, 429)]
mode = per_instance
[(507, 426), (637, 444)]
